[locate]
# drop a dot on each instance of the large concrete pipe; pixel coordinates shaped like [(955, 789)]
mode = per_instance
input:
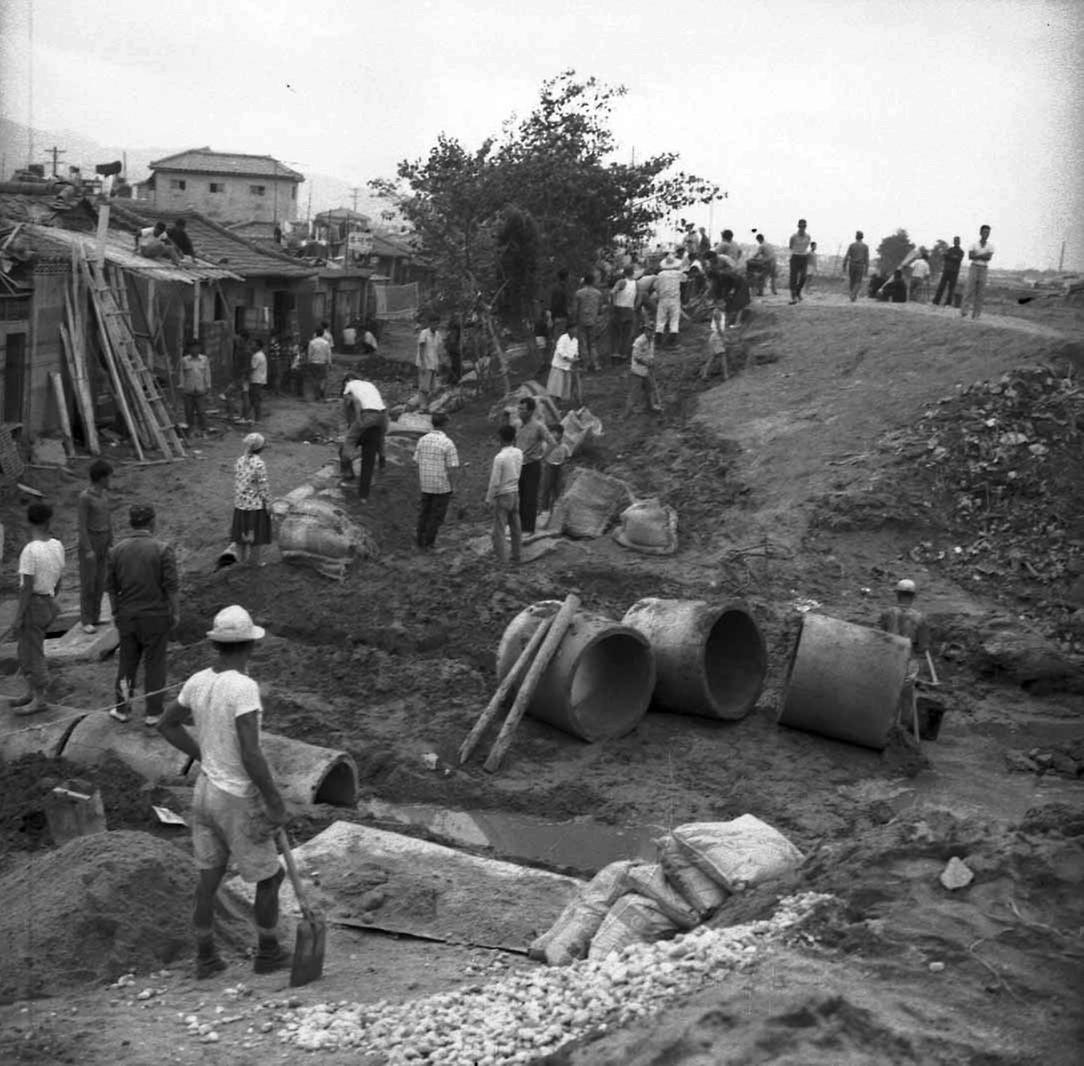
[(711, 659), (44, 734), (97, 737), (844, 681), (599, 683), (305, 773)]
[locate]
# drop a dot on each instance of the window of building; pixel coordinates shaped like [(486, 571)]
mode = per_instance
[(177, 183), (258, 190), (218, 186), (293, 192)]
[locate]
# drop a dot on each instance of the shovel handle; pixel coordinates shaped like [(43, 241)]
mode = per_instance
[(933, 672), (295, 877)]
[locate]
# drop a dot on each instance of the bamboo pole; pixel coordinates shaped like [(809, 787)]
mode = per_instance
[(556, 634), (511, 679), (62, 411)]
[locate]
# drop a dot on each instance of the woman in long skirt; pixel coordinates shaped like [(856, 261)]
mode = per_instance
[(566, 355), (251, 502)]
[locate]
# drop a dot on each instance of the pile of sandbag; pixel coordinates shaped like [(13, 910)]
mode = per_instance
[(648, 527), (317, 534), (699, 865), (590, 502)]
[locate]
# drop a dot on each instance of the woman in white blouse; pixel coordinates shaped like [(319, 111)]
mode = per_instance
[(566, 355), (251, 502)]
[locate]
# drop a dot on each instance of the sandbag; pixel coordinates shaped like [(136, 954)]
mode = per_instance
[(509, 405), (570, 936), (649, 880), (703, 895), (589, 503), (633, 919), (306, 533), (581, 427), (745, 851), (648, 527)]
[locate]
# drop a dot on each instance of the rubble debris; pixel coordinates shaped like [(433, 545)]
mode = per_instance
[(956, 875)]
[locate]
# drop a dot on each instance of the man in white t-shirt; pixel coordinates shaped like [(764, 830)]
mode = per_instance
[(237, 807), (257, 382), (624, 316), (41, 564), (318, 362), (366, 424), (980, 254), (430, 346)]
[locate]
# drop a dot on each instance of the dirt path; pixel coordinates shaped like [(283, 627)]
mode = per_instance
[(397, 660)]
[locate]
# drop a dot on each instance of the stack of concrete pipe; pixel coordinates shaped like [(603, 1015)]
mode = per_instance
[(305, 773), (685, 656)]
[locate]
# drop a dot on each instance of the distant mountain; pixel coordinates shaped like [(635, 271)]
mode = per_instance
[(324, 191)]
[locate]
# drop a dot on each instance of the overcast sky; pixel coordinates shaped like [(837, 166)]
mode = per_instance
[(936, 115)]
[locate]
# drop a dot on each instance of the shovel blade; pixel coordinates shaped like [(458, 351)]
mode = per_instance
[(308, 964)]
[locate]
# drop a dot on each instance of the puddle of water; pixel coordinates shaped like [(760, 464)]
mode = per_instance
[(583, 845)]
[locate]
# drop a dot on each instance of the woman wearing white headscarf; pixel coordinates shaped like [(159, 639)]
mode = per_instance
[(251, 502)]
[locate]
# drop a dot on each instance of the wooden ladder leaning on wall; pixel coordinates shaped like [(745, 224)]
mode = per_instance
[(145, 411)]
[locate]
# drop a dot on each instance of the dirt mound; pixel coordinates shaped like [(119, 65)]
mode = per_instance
[(96, 908), (25, 782)]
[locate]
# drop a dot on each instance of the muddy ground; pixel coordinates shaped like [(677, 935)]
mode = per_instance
[(791, 486)]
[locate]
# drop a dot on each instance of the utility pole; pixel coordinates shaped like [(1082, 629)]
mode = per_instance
[(1061, 258), (55, 152), (354, 193)]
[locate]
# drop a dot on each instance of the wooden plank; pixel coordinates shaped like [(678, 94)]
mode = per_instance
[(62, 411), (103, 230), (83, 400), (549, 648)]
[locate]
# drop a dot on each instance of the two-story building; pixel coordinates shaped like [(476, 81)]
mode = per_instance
[(225, 186)]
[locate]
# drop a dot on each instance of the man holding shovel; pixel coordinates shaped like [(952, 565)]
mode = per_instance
[(237, 806), (906, 620)]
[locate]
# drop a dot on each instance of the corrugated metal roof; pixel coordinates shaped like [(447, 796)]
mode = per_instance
[(204, 161), (216, 243), (53, 243)]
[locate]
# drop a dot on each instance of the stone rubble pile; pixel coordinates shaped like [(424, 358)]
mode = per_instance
[(533, 1013)]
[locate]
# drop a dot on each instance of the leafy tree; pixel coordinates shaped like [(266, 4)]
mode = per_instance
[(937, 256), (893, 250), (546, 193)]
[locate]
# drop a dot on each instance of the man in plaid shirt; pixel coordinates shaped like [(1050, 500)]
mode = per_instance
[(438, 467)]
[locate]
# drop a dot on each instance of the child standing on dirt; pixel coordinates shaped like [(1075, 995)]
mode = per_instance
[(503, 495), (553, 468), (95, 540), (41, 565), (905, 620), (642, 373)]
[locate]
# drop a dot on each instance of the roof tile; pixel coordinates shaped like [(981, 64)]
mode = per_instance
[(204, 161)]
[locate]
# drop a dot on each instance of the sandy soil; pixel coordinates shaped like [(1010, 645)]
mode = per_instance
[(398, 659)]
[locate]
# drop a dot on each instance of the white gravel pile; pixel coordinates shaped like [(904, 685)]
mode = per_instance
[(533, 1013)]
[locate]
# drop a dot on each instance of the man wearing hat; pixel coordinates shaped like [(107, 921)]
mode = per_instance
[(141, 580), (905, 620), (236, 807), (668, 290)]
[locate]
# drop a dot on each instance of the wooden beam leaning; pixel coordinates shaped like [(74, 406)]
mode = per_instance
[(556, 634), (511, 679)]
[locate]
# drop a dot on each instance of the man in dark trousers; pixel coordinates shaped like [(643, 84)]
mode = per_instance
[(950, 273), (366, 424), (531, 439), (438, 469), (142, 584)]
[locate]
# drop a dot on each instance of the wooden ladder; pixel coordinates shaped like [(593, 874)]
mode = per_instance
[(149, 416)]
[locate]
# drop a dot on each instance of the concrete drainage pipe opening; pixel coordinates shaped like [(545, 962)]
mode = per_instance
[(711, 658), (339, 785), (611, 686), (735, 662)]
